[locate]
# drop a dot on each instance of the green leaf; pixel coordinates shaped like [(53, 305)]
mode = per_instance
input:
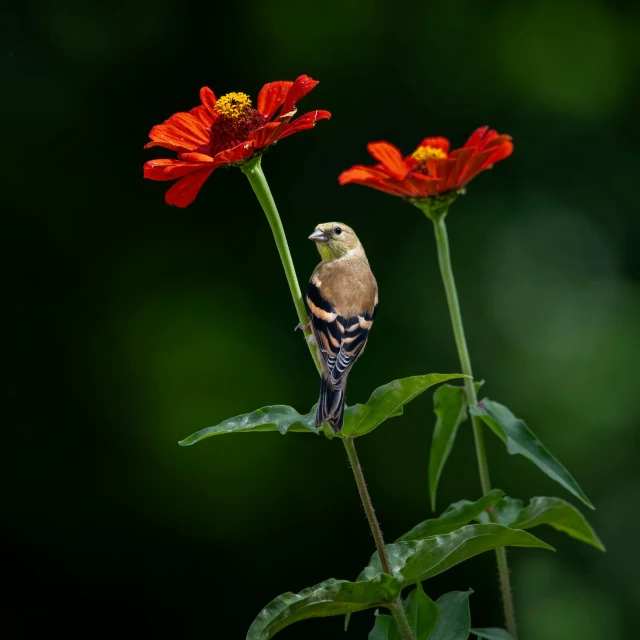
[(381, 628), (422, 613), (555, 512), (276, 418), (519, 439), (387, 401), (456, 515), (422, 559), (493, 633), (450, 406), (454, 622), (329, 598)]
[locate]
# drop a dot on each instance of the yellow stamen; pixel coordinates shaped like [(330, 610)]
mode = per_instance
[(422, 154), (233, 105)]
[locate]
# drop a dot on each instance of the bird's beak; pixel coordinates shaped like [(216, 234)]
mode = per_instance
[(318, 236)]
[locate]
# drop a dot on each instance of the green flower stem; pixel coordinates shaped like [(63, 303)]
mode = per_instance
[(253, 171), (446, 270)]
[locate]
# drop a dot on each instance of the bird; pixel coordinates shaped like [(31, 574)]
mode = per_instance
[(342, 296)]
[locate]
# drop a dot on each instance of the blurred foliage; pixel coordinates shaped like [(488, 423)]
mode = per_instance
[(131, 324)]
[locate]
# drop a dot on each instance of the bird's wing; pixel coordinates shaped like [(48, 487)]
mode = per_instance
[(340, 340)]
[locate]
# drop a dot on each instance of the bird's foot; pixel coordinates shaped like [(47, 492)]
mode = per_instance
[(304, 327)]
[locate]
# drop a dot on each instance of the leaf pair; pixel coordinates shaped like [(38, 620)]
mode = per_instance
[(329, 598), (451, 408), (385, 402), (509, 512), (448, 618), (411, 562)]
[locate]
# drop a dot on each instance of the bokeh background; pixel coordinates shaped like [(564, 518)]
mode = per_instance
[(132, 324)]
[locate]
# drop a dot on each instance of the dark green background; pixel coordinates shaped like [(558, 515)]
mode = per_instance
[(132, 324)]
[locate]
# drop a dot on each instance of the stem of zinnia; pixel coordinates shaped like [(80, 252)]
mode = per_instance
[(253, 171), (446, 271)]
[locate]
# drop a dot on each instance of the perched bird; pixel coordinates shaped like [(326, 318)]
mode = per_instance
[(342, 297)]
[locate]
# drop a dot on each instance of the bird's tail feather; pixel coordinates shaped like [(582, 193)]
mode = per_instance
[(330, 407)]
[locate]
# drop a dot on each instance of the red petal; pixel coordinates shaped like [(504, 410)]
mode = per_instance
[(457, 173), (475, 165), (298, 90), (184, 191), (476, 137), (445, 167), (372, 177), (423, 186), (235, 154), (267, 134), (502, 152), (195, 157), (208, 99), (306, 121), (390, 157), (203, 115), (164, 169), (181, 132), (496, 141), (436, 143), (272, 96)]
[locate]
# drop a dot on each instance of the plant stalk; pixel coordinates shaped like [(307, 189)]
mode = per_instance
[(446, 271), (253, 171)]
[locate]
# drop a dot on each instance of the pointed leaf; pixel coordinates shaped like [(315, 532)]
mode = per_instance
[(457, 515), (422, 559), (276, 418), (422, 613), (454, 622), (329, 598), (555, 512), (519, 439), (381, 628), (493, 634), (450, 406), (387, 401)]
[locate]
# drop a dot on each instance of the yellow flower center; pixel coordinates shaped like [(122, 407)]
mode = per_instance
[(422, 154), (233, 105)]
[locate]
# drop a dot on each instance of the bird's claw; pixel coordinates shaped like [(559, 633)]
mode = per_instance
[(304, 327)]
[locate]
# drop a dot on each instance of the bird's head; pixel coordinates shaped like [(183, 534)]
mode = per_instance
[(334, 240)]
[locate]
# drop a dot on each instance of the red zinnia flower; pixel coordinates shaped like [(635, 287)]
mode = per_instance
[(225, 131), (431, 170)]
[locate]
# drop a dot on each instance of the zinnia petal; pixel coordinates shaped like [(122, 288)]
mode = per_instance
[(475, 139), (390, 157), (184, 191), (208, 99), (272, 96), (164, 169), (298, 90), (306, 121), (267, 134), (201, 113), (504, 150), (235, 154), (181, 132), (372, 177)]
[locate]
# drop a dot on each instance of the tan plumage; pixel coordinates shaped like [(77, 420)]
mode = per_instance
[(342, 296)]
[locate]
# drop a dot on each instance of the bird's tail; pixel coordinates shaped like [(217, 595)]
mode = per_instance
[(330, 407)]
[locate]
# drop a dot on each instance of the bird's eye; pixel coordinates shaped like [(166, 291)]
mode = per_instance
[(337, 230)]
